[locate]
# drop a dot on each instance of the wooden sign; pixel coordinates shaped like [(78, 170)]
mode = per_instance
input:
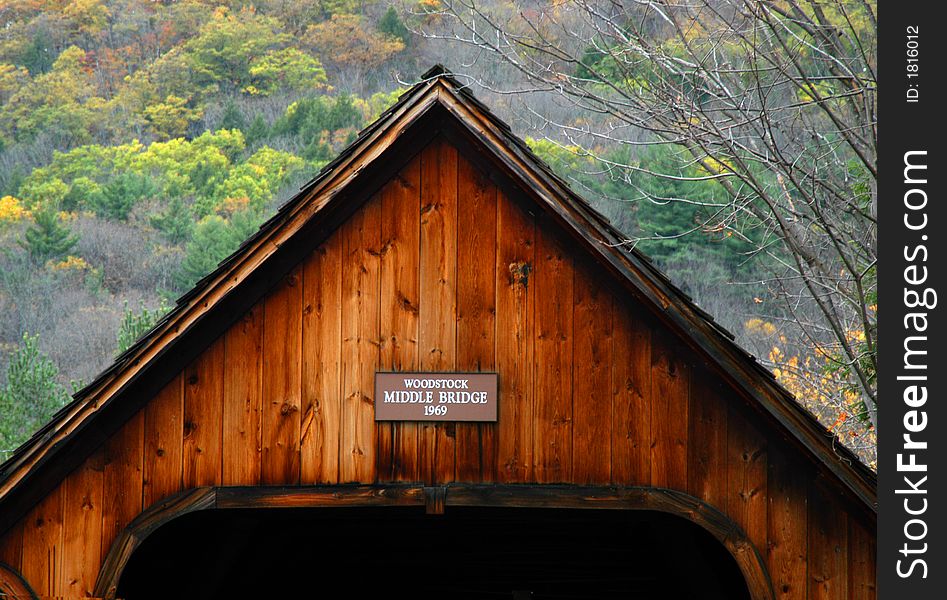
[(436, 397)]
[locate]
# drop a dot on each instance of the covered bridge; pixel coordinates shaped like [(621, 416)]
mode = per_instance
[(628, 447)]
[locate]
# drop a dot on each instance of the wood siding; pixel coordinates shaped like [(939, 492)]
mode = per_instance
[(441, 270)]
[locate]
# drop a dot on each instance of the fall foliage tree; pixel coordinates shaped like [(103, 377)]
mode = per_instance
[(350, 47), (62, 100)]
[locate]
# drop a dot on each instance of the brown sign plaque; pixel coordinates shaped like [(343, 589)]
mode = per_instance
[(436, 397)]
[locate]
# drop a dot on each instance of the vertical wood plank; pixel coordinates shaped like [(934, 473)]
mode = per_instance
[(787, 526), (437, 289), (243, 399), (828, 546), (11, 545), (164, 442), (203, 416), (631, 399), (401, 230), (124, 477), (553, 354), (670, 380), (862, 542), (82, 527), (322, 348), (516, 259), (476, 311), (747, 476), (707, 441), (361, 247), (42, 545), (282, 367), (591, 377)]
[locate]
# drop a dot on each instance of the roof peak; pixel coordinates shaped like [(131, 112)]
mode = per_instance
[(438, 70)]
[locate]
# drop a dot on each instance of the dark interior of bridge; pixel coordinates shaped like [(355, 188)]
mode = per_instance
[(465, 553)]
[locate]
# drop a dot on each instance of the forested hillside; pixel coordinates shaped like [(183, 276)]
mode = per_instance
[(142, 141)]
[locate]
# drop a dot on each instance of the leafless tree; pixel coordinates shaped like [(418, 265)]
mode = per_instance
[(774, 100)]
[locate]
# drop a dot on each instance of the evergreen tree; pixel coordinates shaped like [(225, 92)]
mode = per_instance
[(391, 24), (36, 56), (48, 238), (136, 324), (175, 223), (30, 395), (257, 131), (215, 238), (233, 118), (119, 196)]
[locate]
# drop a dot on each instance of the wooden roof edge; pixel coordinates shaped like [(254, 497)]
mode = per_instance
[(688, 318)]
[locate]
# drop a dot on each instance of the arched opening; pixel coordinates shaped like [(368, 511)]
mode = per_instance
[(467, 552)]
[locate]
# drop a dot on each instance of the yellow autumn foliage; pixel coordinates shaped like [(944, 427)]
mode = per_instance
[(12, 210), (70, 263), (813, 379)]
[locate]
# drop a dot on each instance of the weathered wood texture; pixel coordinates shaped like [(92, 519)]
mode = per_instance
[(440, 270)]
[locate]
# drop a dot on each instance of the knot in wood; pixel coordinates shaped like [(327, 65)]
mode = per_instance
[(519, 273)]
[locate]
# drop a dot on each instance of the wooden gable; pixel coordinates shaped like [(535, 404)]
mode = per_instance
[(437, 261)]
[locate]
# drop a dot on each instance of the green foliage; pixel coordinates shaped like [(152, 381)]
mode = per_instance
[(11, 181), (340, 7), (61, 102), (215, 238), (258, 130), (222, 51), (675, 219), (233, 118), (118, 197), (378, 103), (30, 395), (175, 222), (257, 179), (48, 238), (248, 52), (312, 116), (287, 68), (81, 194), (171, 118), (169, 76), (36, 56), (317, 122), (136, 324), (391, 24), (38, 192)]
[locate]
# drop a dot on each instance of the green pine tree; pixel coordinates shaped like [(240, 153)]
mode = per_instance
[(136, 324), (214, 239), (120, 195), (391, 24), (257, 131), (233, 118), (48, 238), (175, 223), (30, 395)]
